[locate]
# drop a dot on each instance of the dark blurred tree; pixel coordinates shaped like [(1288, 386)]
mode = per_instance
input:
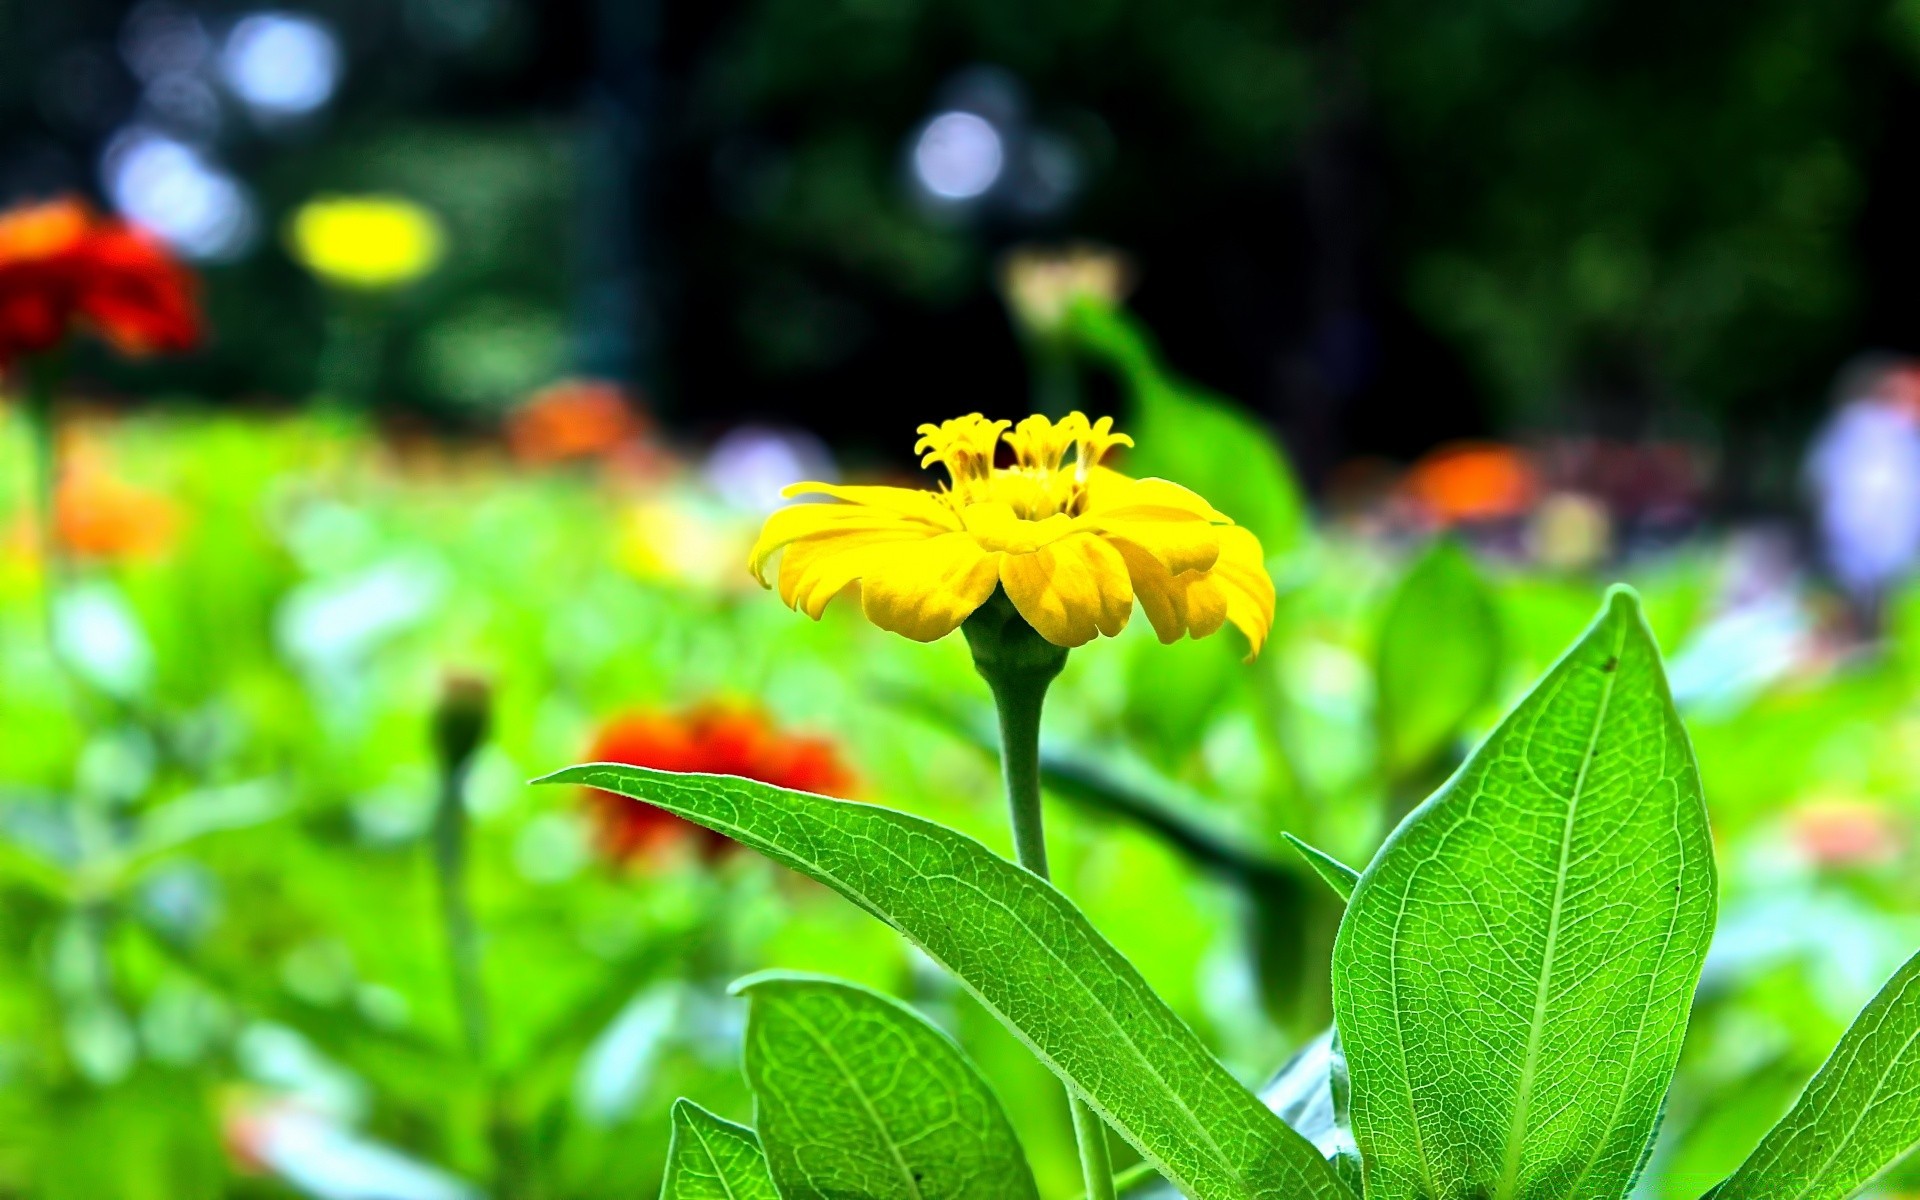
[(1380, 223), (1375, 221)]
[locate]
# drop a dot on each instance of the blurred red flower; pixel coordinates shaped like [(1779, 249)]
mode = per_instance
[(63, 267), (711, 738)]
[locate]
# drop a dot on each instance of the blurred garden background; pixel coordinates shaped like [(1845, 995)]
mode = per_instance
[(513, 320)]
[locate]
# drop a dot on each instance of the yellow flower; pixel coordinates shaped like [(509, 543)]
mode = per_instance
[(366, 242), (1073, 543)]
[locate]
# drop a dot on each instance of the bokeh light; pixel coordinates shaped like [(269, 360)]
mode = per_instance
[(281, 64), (958, 156), (178, 192)]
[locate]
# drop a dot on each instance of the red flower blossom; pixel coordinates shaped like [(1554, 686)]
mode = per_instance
[(711, 738), (574, 419), (63, 267), (1471, 482)]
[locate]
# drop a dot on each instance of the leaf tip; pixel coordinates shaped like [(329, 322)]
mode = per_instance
[(775, 977), (1336, 874), (578, 773), (1622, 600)]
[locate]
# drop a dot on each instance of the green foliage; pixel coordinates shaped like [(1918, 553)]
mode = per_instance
[(1513, 975), (1031, 957), (854, 1094), (1439, 658), (1512, 983), (1859, 1115), (232, 855), (712, 1159)]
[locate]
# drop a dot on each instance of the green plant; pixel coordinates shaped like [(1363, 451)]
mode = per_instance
[(1513, 976)]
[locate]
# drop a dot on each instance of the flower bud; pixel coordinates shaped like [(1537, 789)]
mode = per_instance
[(460, 719)]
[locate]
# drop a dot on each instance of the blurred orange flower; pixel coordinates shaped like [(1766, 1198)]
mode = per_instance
[(1472, 481), (712, 738), (573, 419), (64, 267), (98, 515)]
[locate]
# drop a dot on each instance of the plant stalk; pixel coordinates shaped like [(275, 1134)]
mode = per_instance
[(1018, 665), (460, 723), (456, 912)]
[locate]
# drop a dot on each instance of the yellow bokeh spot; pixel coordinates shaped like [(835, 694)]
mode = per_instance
[(366, 242)]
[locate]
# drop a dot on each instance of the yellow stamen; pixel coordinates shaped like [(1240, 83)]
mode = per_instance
[(964, 446), (1040, 445), (1094, 442)]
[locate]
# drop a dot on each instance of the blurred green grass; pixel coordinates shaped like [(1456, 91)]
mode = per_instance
[(216, 896)]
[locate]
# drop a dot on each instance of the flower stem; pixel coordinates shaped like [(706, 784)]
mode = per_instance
[(1019, 702), (1018, 665), (456, 913)]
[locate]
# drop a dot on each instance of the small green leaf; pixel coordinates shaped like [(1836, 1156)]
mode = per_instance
[(712, 1159), (1339, 876), (1180, 432), (1859, 1115), (856, 1095), (1513, 974), (1438, 660), (1032, 958)]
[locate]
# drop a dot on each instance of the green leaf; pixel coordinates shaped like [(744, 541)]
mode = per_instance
[(1859, 1115), (712, 1159), (856, 1095), (1032, 958), (1438, 660), (1513, 973), (1339, 876), (1183, 433)]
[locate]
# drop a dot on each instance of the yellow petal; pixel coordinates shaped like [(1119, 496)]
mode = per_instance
[(798, 521), (816, 569), (1180, 541), (1245, 587), (1198, 603), (1110, 493), (907, 502), (1071, 589), (924, 589), (1164, 601), (1205, 596)]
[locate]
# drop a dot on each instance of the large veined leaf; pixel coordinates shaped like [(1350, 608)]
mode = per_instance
[(855, 1095), (1514, 970), (1032, 958), (712, 1159), (1438, 659), (1860, 1113)]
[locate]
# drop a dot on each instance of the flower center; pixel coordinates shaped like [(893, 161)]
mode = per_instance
[(1040, 483)]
